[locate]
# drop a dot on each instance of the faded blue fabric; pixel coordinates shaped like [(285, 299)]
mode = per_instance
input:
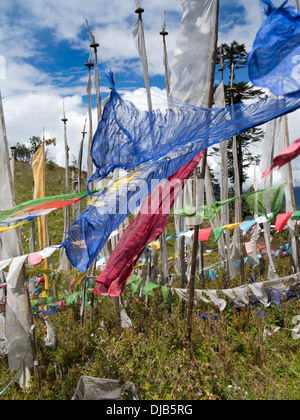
[(156, 145), (89, 233), (274, 61), (247, 225), (127, 137)]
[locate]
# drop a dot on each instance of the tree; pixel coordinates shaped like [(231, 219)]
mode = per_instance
[(35, 143), (235, 58), (22, 153), (25, 153)]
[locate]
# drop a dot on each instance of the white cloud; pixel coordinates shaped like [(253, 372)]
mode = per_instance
[(35, 114)]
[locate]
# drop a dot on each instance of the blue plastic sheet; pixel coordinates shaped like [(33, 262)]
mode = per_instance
[(274, 61)]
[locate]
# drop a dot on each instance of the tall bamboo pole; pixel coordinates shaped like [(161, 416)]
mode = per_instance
[(89, 64), (64, 120), (237, 185), (164, 33), (202, 175), (163, 241), (66, 209), (80, 156), (95, 45)]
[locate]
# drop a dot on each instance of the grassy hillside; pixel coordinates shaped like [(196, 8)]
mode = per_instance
[(228, 358)]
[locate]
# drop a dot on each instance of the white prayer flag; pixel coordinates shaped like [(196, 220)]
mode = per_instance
[(191, 70)]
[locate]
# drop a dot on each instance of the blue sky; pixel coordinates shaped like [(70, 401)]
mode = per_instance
[(45, 44)]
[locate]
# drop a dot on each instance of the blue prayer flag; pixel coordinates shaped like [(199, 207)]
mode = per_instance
[(156, 145), (274, 61)]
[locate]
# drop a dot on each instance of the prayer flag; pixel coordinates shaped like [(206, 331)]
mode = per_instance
[(274, 61), (17, 326), (143, 229), (38, 169), (36, 208), (127, 137), (204, 234), (282, 220), (257, 200), (296, 215), (191, 69), (288, 154), (106, 211), (247, 225), (218, 232)]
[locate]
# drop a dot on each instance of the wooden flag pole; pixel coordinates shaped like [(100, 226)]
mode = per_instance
[(95, 45), (164, 33), (163, 241), (66, 209), (237, 185), (202, 175), (80, 156), (89, 65)]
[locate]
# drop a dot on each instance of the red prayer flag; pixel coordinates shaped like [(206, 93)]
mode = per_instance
[(141, 231), (62, 305), (282, 220), (204, 234), (288, 154)]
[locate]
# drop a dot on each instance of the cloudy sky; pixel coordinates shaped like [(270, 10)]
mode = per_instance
[(45, 43)]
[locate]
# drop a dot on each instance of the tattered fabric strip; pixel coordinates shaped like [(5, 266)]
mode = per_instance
[(240, 295)]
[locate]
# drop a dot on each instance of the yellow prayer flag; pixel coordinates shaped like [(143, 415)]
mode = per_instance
[(155, 245), (232, 226), (38, 168)]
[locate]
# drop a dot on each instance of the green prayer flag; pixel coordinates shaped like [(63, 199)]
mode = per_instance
[(210, 211), (70, 299), (166, 295), (188, 211), (296, 215), (132, 279), (207, 212), (149, 287), (135, 287), (257, 200), (218, 232)]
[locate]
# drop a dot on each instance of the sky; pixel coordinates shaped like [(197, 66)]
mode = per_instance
[(44, 45)]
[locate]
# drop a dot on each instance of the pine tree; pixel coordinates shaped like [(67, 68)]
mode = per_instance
[(235, 58)]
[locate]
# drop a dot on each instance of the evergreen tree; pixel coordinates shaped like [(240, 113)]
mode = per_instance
[(235, 58)]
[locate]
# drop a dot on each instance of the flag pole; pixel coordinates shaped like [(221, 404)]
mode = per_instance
[(89, 65), (139, 10), (80, 156), (163, 241), (95, 45), (237, 184), (202, 176), (164, 33), (67, 210)]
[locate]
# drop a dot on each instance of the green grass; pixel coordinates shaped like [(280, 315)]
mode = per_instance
[(225, 360)]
